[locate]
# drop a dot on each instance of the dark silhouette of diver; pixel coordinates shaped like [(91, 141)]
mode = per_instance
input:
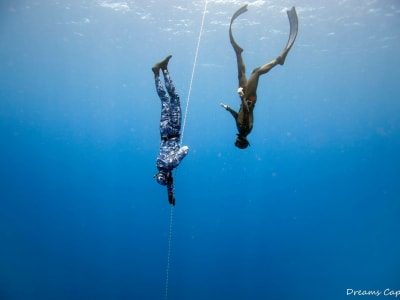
[(171, 153), (248, 88)]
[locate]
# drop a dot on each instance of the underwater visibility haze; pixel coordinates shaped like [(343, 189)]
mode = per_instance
[(309, 211)]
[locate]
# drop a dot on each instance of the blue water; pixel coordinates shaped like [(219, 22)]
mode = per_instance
[(310, 210)]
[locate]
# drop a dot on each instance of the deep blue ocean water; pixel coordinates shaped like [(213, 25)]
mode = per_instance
[(309, 211)]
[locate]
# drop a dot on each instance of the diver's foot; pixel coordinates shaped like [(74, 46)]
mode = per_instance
[(281, 58), (236, 47), (238, 50), (163, 65), (156, 70)]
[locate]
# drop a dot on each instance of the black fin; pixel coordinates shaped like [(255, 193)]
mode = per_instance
[(240, 11), (294, 26)]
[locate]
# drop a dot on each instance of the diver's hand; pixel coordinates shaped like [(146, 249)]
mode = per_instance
[(185, 149), (240, 92), (224, 105)]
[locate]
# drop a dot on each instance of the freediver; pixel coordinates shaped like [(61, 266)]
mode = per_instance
[(171, 153), (248, 88)]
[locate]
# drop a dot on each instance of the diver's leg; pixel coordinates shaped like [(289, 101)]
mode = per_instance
[(253, 80), (241, 69), (165, 107), (175, 105), (163, 65), (165, 121), (252, 84), (169, 84), (257, 72), (174, 112)]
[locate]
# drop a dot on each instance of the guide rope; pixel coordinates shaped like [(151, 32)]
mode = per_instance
[(169, 251), (193, 70), (182, 133)]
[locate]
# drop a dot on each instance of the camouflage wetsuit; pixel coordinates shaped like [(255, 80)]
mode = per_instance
[(171, 154)]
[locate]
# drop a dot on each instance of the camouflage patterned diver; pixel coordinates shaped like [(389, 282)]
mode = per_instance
[(248, 89), (171, 153)]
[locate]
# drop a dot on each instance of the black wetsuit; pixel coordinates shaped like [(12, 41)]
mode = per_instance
[(244, 118)]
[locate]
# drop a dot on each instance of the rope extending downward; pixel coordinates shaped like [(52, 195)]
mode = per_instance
[(169, 251), (193, 70), (171, 218)]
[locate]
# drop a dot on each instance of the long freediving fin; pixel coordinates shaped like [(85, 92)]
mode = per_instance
[(240, 11), (294, 26)]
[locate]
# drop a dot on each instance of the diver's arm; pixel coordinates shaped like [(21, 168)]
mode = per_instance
[(179, 156), (171, 189), (228, 108)]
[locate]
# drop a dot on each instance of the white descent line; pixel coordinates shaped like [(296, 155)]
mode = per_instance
[(193, 70), (169, 251), (183, 130)]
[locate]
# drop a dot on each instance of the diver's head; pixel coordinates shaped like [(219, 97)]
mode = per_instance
[(161, 178), (241, 142)]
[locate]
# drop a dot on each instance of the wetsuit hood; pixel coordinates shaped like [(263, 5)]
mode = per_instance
[(241, 142), (162, 178)]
